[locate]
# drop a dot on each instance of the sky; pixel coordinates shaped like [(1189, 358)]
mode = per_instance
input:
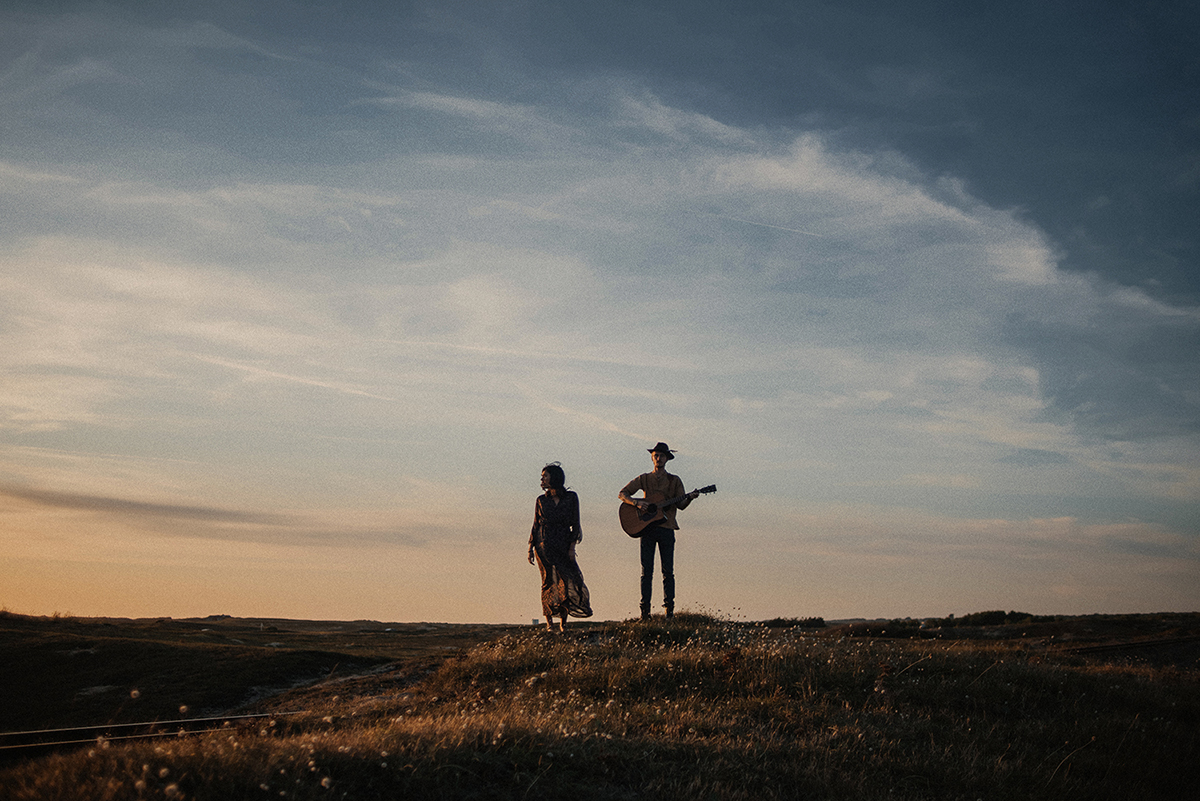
[(298, 298)]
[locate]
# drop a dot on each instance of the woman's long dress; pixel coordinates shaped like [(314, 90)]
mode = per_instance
[(555, 531)]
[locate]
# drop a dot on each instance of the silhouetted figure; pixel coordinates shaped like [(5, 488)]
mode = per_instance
[(657, 486), (556, 529)]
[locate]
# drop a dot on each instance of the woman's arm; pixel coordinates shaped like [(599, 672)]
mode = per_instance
[(537, 515), (575, 522)]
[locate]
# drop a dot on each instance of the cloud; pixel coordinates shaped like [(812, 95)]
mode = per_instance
[(1034, 457), (648, 113), (1113, 361), (131, 508), (485, 111), (128, 520), (488, 125), (886, 292), (205, 35), (918, 536)]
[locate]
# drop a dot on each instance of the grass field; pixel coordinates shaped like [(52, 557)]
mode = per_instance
[(1102, 707)]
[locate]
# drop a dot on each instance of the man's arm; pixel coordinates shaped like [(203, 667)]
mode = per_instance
[(626, 494), (678, 490)]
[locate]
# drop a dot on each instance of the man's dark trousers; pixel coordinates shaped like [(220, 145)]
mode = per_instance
[(663, 539)]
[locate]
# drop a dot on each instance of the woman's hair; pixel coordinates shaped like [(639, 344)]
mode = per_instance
[(558, 479)]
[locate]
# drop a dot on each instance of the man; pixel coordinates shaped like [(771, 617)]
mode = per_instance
[(657, 486)]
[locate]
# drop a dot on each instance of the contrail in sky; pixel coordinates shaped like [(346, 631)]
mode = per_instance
[(258, 371), (525, 354), (762, 224), (599, 422)]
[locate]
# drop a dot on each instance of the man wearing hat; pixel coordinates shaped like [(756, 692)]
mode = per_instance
[(658, 485)]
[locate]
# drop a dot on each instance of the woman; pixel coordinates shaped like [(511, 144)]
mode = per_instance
[(552, 548)]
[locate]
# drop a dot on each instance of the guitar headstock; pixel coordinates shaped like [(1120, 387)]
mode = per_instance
[(708, 489)]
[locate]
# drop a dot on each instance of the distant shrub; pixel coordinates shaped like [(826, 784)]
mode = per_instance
[(994, 618), (794, 622)]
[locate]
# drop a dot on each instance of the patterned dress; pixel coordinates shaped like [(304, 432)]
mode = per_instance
[(555, 531)]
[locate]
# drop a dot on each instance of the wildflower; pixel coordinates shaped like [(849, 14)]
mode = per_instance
[(327, 782), (183, 710), (163, 773), (135, 693), (171, 790)]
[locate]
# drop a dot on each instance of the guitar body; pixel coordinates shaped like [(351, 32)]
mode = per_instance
[(635, 521)]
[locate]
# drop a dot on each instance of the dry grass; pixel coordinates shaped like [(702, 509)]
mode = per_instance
[(692, 708)]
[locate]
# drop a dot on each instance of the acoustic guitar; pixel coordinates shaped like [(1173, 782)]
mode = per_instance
[(634, 520)]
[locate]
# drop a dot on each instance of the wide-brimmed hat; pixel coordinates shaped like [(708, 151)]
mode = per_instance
[(662, 448)]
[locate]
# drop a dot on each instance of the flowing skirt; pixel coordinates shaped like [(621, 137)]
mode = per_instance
[(563, 590)]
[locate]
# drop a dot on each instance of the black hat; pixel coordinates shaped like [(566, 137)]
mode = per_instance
[(662, 448)]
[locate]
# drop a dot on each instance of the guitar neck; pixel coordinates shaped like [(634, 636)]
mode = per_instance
[(634, 518), (671, 501)]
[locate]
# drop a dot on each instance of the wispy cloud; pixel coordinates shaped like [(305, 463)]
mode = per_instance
[(483, 110), (648, 113), (132, 508)]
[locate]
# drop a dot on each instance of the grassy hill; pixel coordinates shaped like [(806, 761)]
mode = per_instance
[(1088, 708)]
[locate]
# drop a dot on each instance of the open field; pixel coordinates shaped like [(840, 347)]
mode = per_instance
[(1097, 707), (82, 671)]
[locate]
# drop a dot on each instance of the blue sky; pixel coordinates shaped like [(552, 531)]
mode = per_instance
[(298, 298)]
